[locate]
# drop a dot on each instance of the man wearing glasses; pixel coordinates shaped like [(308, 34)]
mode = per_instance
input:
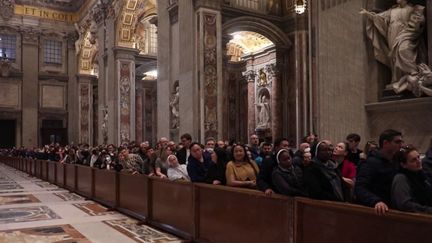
[(375, 176)]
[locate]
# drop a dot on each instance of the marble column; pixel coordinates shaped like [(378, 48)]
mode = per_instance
[(30, 87), (107, 87), (85, 91), (210, 69), (164, 63), (276, 100), (73, 94), (125, 60), (429, 29), (250, 78), (139, 115)]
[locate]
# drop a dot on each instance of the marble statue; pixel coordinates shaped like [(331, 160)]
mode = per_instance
[(395, 36), (93, 32), (174, 104), (263, 112), (140, 35), (80, 41), (105, 125)]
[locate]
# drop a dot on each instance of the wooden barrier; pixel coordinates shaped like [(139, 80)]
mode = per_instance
[(52, 172), (133, 195), (251, 216), (172, 204), (44, 170), (38, 169), (60, 175), (208, 213), (105, 187), (324, 221), (26, 164), (70, 174), (84, 178)]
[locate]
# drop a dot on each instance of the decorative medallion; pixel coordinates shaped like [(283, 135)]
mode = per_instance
[(7, 9)]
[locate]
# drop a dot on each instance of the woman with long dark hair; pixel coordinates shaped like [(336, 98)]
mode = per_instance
[(411, 189), (241, 171)]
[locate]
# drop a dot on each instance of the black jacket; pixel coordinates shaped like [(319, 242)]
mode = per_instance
[(289, 182), (264, 179), (319, 187), (427, 166), (374, 180), (181, 155)]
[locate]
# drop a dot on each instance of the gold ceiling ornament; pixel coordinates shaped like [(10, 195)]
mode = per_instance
[(300, 6)]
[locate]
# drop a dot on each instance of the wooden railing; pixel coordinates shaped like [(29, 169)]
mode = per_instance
[(208, 213)]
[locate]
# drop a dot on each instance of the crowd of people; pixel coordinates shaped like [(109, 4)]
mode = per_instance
[(384, 175)]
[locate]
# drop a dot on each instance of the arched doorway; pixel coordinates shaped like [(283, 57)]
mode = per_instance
[(255, 51)]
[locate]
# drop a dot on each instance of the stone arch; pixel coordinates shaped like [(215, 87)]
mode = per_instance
[(129, 16), (269, 127), (261, 26), (145, 31)]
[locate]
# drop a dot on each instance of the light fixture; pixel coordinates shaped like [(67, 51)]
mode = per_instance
[(300, 6), (237, 37), (150, 75)]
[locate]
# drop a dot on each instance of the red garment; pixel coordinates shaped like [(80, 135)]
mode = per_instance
[(348, 169)]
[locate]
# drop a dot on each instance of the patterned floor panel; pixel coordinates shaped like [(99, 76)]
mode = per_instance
[(18, 199), (59, 233), (26, 214), (141, 233), (32, 210)]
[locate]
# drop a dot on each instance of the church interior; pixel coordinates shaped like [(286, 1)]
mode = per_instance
[(96, 73)]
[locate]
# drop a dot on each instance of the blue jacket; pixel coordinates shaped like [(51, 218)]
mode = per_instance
[(374, 180)]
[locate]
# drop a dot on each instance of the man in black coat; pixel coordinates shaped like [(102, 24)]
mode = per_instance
[(375, 176), (183, 153)]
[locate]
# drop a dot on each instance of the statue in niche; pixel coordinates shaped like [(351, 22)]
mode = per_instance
[(140, 35), (174, 104), (80, 41), (396, 37), (105, 125), (263, 112), (93, 32), (262, 78)]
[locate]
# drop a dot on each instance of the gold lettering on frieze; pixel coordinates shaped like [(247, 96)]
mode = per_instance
[(45, 13)]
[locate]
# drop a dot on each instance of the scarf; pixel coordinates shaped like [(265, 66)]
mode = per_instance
[(329, 171)]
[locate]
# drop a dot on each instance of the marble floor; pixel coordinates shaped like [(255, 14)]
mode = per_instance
[(32, 210)]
